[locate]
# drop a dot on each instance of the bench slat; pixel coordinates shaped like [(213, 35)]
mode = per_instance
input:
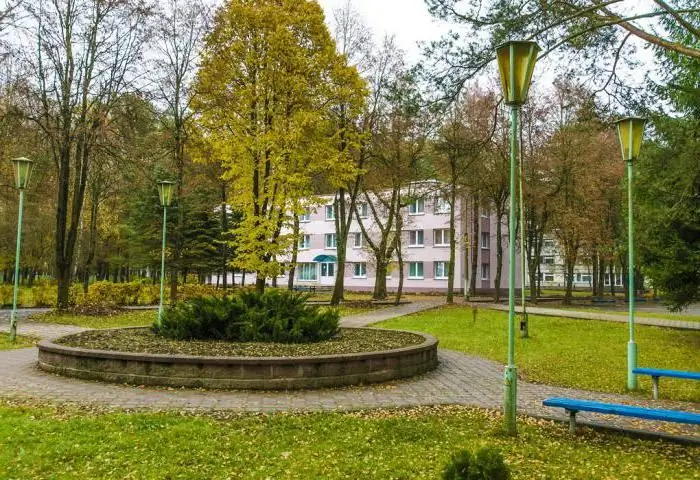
[(623, 410), (660, 372)]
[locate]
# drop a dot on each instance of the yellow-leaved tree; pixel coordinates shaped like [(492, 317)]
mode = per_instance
[(266, 102)]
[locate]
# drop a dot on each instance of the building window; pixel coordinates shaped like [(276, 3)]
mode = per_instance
[(363, 210), (416, 207), (331, 240), (304, 242), (485, 271), (360, 270), (330, 212), (485, 240), (485, 213), (548, 260), (442, 237), (442, 205), (548, 244), (441, 270), (327, 269), (305, 216), (415, 270), (415, 238), (307, 272), (548, 277), (357, 240)]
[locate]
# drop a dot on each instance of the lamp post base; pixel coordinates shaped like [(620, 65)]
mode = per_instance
[(631, 365), (511, 397), (13, 326)]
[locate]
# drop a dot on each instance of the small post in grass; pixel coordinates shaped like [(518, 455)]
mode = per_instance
[(165, 192), (516, 63), (23, 170), (631, 131)]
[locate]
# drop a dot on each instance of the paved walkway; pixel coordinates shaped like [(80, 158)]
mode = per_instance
[(607, 317), (459, 379)]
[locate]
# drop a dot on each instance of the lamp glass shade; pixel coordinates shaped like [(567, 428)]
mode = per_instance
[(630, 130), (23, 170), (165, 192), (516, 63)]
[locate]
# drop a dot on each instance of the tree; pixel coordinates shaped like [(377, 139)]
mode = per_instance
[(181, 25), (595, 31), (265, 93), (87, 52)]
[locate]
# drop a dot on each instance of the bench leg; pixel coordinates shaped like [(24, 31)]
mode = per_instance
[(572, 421), (655, 387)]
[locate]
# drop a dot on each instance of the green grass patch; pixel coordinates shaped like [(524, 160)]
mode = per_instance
[(403, 444), (637, 313), (20, 342), (134, 318), (585, 354)]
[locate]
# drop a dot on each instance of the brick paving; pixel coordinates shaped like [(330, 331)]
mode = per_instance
[(459, 379), (606, 317)]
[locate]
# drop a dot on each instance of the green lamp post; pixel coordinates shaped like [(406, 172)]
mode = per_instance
[(631, 131), (23, 170), (516, 62), (165, 192)]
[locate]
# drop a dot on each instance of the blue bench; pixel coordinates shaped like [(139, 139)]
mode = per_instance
[(656, 373), (573, 406)]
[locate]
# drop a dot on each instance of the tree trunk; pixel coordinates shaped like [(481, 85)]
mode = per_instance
[(453, 245), (380, 280), (612, 279), (568, 296), (594, 274), (295, 252), (499, 256), (224, 231), (476, 223), (260, 285)]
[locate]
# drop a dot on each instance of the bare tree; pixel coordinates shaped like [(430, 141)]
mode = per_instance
[(84, 55), (182, 24)]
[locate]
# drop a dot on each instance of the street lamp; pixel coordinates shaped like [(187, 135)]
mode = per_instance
[(516, 62), (23, 170), (165, 192), (631, 131)]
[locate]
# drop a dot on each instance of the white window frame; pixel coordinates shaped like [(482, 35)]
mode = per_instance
[(413, 207), (445, 270), (330, 209), (488, 271), (444, 234), (442, 205), (487, 236), (355, 236), (305, 268), (547, 257), (305, 217), (548, 275), (305, 242), (334, 243), (413, 238), (413, 275), (327, 265), (362, 266), (363, 210)]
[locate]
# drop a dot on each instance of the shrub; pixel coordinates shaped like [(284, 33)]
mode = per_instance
[(275, 316), (487, 464)]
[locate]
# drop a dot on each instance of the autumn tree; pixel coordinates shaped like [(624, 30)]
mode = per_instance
[(269, 79), (82, 56)]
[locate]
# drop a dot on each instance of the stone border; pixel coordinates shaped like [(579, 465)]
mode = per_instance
[(257, 373)]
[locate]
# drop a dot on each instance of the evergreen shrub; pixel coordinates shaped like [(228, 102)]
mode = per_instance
[(274, 316)]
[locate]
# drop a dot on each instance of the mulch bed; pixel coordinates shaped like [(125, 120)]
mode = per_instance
[(143, 340)]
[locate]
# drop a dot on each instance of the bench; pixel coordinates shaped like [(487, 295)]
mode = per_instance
[(603, 300), (313, 288), (572, 406), (656, 373)]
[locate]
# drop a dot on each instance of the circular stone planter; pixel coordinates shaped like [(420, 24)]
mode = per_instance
[(261, 373)]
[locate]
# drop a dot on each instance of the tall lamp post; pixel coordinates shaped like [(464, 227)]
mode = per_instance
[(165, 192), (516, 62), (23, 170), (631, 131)]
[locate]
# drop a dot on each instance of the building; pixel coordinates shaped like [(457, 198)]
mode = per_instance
[(426, 249)]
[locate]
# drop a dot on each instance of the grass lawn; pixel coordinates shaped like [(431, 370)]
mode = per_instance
[(136, 318), (584, 354), (21, 342), (40, 443), (637, 313)]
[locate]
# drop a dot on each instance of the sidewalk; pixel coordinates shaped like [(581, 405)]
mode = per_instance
[(606, 317)]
